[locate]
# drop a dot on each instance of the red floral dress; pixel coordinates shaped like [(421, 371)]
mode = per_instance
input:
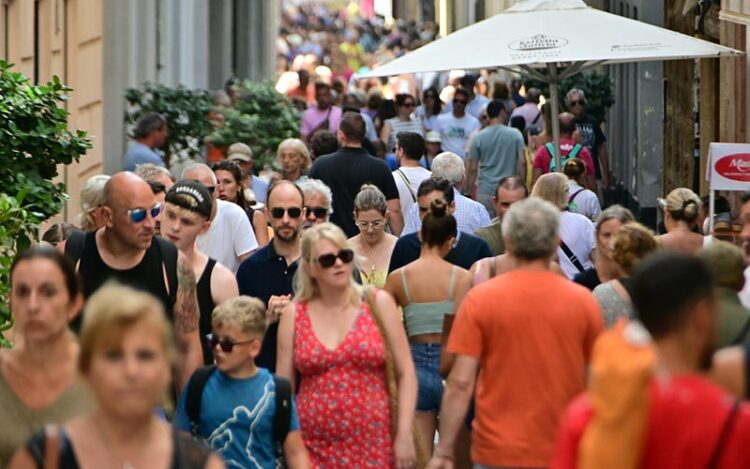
[(343, 402)]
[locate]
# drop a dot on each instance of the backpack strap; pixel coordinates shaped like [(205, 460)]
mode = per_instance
[(169, 254), (74, 246), (571, 256), (575, 151), (194, 395), (282, 418), (726, 431)]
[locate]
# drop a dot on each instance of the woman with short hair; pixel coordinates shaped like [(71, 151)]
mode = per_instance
[(293, 158)]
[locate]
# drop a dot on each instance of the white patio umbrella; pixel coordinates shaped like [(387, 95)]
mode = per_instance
[(565, 37)]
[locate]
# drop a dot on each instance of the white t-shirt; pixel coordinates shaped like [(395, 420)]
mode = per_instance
[(229, 237), (454, 132), (407, 193), (578, 233), (585, 202)]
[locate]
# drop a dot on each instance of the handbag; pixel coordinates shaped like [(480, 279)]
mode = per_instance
[(391, 382)]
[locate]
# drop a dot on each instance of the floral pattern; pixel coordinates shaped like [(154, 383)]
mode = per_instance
[(343, 402)]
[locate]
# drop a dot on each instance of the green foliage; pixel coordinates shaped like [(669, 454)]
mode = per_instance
[(186, 112), (597, 86), (261, 118), (35, 140)]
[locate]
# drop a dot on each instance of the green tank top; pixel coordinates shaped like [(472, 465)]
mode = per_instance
[(426, 318)]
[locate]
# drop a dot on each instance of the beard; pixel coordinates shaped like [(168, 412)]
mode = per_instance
[(286, 238)]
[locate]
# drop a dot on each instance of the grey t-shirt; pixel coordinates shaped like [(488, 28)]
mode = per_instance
[(614, 305), (497, 148)]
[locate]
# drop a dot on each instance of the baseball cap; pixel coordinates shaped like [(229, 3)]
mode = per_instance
[(239, 152), (192, 196), (432, 137)]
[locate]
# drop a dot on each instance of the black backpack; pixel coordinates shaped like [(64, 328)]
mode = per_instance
[(281, 419)]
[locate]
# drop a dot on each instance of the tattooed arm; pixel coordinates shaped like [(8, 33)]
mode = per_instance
[(186, 317)]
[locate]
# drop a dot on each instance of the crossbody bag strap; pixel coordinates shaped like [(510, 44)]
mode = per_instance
[(575, 194), (571, 256), (408, 185), (51, 447), (726, 430)]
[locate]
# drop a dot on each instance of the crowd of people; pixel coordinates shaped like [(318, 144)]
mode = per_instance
[(419, 287)]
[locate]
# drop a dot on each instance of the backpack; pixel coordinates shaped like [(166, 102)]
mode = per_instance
[(551, 149), (76, 242), (281, 420)]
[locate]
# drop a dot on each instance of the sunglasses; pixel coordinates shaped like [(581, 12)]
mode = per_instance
[(318, 212), (278, 212), (211, 189), (459, 101), (137, 215), (327, 260), (408, 104), (226, 345), (577, 103)]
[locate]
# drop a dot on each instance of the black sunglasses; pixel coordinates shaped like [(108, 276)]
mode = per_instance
[(577, 103), (459, 101), (318, 212), (327, 260), (278, 212), (226, 345)]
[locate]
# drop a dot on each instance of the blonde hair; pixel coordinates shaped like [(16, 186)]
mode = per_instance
[(683, 204), (92, 196), (631, 243), (306, 287), (552, 187), (298, 146), (111, 312), (370, 198), (244, 311)]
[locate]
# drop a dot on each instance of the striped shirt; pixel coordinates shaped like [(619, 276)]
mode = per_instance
[(397, 125)]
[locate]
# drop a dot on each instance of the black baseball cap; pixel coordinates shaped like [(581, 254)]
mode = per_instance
[(192, 196)]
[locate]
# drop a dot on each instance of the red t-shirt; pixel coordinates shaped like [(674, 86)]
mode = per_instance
[(686, 417), (542, 158)]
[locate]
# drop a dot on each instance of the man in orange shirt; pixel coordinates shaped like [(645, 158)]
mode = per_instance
[(531, 333)]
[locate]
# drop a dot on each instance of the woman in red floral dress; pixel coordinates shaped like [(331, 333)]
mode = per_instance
[(329, 336)]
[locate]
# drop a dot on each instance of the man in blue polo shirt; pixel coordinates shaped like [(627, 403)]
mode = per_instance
[(268, 273), (467, 249)]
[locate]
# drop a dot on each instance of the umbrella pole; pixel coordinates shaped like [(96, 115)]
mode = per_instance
[(555, 113)]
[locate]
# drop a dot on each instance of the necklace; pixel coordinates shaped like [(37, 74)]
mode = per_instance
[(108, 448)]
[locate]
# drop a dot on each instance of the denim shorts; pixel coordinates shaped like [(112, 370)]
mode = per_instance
[(427, 362)]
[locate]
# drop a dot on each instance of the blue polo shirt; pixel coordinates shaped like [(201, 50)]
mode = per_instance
[(466, 252), (263, 275)]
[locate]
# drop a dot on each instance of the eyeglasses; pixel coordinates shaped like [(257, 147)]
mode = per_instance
[(278, 212), (459, 101), (580, 102), (137, 215), (226, 345), (318, 212), (327, 260), (376, 225)]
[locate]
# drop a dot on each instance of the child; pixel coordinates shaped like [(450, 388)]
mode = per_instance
[(238, 405)]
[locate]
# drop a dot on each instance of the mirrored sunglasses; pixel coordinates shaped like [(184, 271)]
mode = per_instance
[(137, 215)]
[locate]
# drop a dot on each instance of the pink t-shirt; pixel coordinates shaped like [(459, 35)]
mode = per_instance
[(313, 117), (542, 158)]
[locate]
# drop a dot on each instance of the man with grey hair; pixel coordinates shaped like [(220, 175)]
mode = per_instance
[(152, 172), (531, 332), (470, 215), (318, 202), (150, 133), (591, 134), (231, 238)]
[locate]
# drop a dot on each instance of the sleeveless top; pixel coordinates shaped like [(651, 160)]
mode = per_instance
[(186, 452), (426, 318), (18, 422), (206, 307), (147, 276), (397, 125)]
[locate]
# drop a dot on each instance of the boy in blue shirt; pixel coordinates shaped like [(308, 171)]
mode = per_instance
[(238, 400)]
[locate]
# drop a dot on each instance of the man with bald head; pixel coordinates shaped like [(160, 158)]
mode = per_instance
[(544, 162), (126, 250), (231, 238)]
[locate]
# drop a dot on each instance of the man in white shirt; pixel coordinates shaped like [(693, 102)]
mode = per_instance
[(410, 147), (455, 127), (230, 239)]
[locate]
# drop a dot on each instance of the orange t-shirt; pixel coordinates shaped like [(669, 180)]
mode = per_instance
[(533, 332)]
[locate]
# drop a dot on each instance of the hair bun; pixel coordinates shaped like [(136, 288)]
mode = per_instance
[(438, 208)]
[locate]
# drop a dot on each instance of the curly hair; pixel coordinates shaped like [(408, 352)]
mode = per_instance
[(631, 243)]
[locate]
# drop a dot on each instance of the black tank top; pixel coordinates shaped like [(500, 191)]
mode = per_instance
[(148, 275), (206, 307)]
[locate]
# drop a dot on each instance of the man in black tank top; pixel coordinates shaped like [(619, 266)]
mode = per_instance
[(126, 250), (187, 214)]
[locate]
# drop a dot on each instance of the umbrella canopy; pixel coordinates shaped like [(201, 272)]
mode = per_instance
[(549, 34)]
